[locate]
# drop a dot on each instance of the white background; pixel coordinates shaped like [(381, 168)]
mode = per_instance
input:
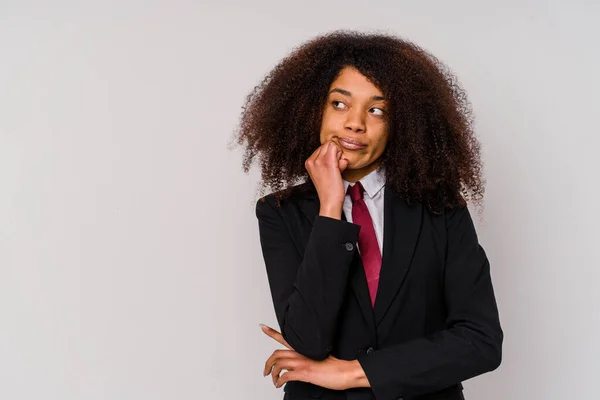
[(130, 266)]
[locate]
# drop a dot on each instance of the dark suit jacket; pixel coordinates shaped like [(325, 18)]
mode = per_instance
[(435, 320)]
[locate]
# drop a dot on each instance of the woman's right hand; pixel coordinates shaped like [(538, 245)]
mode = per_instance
[(325, 167)]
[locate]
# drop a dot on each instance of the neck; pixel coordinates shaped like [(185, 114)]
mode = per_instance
[(354, 175)]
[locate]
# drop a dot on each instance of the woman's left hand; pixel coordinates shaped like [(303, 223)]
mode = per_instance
[(331, 373)]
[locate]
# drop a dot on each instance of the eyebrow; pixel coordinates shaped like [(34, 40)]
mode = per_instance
[(347, 93)]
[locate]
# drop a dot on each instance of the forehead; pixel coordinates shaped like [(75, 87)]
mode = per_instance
[(352, 80)]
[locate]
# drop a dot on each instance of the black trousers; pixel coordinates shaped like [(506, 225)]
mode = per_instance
[(442, 395)]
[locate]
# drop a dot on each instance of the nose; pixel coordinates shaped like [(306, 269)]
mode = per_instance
[(355, 121)]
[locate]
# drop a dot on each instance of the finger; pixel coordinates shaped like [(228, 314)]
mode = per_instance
[(275, 335), (343, 164), (332, 151), (315, 153), (296, 363), (286, 377), (270, 362), (337, 146), (277, 355), (339, 154), (324, 149), (275, 373), (272, 333), (287, 364), (311, 160)]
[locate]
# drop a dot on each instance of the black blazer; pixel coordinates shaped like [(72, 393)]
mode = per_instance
[(435, 320)]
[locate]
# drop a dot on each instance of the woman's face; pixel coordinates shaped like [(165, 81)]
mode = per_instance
[(355, 118)]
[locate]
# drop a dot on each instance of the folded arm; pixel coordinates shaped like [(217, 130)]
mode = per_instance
[(307, 289)]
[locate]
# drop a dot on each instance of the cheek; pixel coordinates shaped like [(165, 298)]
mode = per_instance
[(325, 135), (322, 137), (381, 143), (328, 128)]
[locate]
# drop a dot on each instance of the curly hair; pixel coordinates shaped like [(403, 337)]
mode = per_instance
[(432, 155)]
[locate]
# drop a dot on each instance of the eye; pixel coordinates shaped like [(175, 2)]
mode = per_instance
[(379, 111), (336, 102)]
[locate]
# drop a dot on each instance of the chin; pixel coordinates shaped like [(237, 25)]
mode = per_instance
[(352, 165)]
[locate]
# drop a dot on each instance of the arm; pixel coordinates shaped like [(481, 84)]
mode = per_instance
[(307, 290), (470, 345)]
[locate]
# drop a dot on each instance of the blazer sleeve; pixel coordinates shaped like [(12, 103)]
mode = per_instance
[(307, 289), (470, 344)]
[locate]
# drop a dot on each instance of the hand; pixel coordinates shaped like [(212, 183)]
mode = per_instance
[(325, 167), (331, 373)]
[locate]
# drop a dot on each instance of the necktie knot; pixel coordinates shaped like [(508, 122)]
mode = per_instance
[(356, 191)]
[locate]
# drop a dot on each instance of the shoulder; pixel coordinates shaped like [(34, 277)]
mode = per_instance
[(451, 219), (459, 222), (277, 202)]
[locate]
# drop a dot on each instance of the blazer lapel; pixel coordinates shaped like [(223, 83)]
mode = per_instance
[(402, 224), (358, 282)]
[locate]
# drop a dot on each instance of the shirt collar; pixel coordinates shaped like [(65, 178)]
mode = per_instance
[(373, 182)]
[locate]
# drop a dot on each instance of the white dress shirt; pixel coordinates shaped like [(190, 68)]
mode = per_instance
[(374, 185)]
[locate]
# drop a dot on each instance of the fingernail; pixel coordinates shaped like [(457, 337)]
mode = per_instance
[(262, 326)]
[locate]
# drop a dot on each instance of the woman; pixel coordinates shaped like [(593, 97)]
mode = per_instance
[(379, 284)]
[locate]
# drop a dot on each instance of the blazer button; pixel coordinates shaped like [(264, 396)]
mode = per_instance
[(349, 246), (369, 351)]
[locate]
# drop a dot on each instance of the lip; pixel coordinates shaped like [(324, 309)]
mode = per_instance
[(351, 144)]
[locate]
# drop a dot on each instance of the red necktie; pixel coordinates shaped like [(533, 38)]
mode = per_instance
[(367, 241)]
